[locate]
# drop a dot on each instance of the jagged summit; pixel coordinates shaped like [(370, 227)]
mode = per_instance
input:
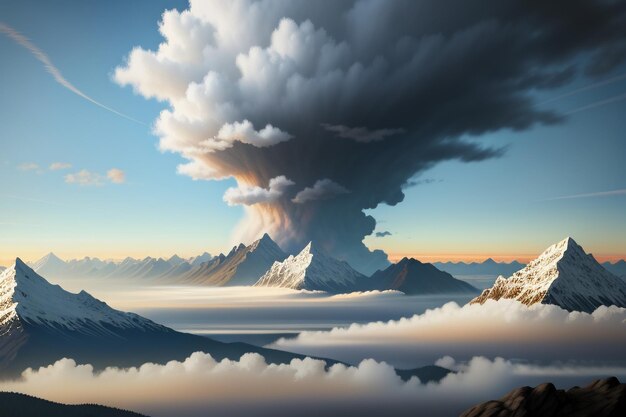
[(563, 275), (311, 269)]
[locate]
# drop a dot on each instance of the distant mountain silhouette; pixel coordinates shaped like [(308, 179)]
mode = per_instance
[(243, 265), (488, 267), (414, 277), (22, 405), (618, 268)]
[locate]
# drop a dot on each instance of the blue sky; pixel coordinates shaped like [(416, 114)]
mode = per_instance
[(502, 207)]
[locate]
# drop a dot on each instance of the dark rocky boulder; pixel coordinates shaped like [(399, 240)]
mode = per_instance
[(603, 398)]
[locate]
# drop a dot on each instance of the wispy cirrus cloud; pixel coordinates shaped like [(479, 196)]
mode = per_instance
[(53, 70), (28, 166), (590, 195), (58, 166)]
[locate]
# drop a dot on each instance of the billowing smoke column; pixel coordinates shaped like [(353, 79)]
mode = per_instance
[(320, 109)]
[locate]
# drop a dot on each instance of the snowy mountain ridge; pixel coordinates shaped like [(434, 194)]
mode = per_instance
[(311, 269), (29, 298), (563, 275)]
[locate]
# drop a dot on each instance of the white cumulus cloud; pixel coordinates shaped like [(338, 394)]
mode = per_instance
[(244, 132), (249, 195)]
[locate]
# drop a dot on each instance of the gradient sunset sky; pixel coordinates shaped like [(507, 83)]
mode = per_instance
[(79, 180)]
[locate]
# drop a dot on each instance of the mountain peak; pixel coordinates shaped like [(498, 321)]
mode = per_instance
[(33, 300), (563, 275), (408, 261), (311, 269)]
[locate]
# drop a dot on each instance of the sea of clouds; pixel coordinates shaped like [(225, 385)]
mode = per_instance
[(506, 328), (201, 386)]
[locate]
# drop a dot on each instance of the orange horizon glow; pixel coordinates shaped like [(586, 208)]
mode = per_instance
[(395, 257)]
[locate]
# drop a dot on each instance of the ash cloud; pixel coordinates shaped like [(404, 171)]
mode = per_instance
[(403, 82)]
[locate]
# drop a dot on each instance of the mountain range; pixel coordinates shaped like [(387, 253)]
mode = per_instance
[(487, 267), (563, 275), (264, 264), (315, 270), (243, 265), (41, 323)]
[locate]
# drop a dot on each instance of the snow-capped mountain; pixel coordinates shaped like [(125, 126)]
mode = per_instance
[(414, 277), (563, 275), (50, 264), (312, 269), (41, 323), (487, 267)]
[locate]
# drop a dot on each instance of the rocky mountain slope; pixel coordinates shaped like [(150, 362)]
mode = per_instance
[(243, 265), (603, 398), (563, 275)]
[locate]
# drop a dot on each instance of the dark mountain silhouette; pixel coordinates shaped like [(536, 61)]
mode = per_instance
[(414, 277), (21, 405), (618, 268), (487, 267)]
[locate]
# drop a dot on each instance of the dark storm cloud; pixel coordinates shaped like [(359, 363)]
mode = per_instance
[(402, 83), (383, 234)]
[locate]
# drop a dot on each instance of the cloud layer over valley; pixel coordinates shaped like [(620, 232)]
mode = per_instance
[(303, 387), (506, 328)]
